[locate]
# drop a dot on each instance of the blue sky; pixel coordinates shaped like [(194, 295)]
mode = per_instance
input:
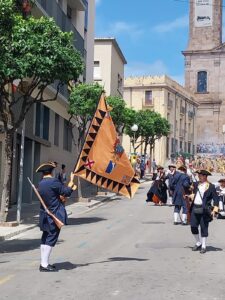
[(151, 33)]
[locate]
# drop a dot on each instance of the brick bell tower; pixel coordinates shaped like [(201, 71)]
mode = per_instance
[(205, 68)]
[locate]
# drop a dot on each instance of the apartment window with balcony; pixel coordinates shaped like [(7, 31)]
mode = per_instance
[(97, 70), (56, 133), (67, 136), (148, 98), (42, 121), (202, 82)]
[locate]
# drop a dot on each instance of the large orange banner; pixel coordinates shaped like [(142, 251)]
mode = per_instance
[(103, 160)]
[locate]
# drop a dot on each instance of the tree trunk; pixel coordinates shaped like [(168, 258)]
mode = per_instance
[(7, 177)]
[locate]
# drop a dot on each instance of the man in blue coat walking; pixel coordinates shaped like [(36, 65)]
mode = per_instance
[(180, 186), (52, 192)]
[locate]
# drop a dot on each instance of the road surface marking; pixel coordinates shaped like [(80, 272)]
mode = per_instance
[(5, 279)]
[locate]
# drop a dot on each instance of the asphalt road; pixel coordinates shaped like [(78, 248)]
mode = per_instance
[(125, 249)]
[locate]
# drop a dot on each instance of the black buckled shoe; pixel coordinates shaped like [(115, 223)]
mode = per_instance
[(175, 223), (203, 251), (49, 268), (196, 248)]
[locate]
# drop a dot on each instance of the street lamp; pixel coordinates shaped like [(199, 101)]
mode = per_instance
[(134, 128)]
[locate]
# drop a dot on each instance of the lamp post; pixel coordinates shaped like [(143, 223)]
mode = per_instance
[(134, 128)]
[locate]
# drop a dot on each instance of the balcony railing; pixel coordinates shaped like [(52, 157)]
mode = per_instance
[(53, 10)]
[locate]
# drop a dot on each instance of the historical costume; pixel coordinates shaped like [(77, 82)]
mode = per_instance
[(221, 193), (170, 175), (180, 186), (202, 210), (158, 190), (51, 190)]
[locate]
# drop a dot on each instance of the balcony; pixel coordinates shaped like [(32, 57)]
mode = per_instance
[(54, 10), (182, 110), (77, 4)]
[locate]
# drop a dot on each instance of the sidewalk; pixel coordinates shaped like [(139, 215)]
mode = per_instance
[(30, 214)]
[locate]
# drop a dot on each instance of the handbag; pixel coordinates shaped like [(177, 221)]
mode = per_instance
[(198, 209)]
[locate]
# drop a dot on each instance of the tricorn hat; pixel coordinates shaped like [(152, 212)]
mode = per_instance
[(204, 172), (221, 180), (172, 166), (160, 168), (46, 167), (182, 168)]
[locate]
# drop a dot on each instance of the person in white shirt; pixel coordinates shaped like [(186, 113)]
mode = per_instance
[(221, 193), (202, 211)]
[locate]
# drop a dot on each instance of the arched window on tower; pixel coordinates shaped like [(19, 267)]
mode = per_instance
[(202, 82)]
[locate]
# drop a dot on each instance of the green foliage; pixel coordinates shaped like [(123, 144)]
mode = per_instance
[(35, 51), (120, 113), (82, 105), (151, 127), (39, 48)]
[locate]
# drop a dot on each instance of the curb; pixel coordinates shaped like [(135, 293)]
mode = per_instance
[(19, 231)]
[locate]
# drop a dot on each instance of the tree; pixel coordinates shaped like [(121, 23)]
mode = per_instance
[(34, 53), (151, 127), (121, 114), (82, 105)]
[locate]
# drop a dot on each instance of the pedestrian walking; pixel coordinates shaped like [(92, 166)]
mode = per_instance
[(221, 193), (50, 190), (180, 186), (202, 210)]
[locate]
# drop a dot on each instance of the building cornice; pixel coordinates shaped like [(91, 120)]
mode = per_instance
[(113, 41)]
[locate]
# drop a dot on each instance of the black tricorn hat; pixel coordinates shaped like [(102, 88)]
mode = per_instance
[(222, 180), (172, 166), (160, 168), (182, 168), (204, 172), (46, 167)]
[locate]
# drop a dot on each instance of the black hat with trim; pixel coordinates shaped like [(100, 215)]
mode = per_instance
[(221, 180), (46, 167), (160, 168), (203, 172), (172, 166)]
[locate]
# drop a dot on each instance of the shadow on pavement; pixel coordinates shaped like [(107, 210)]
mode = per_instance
[(209, 248), (21, 245), (82, 221), (70, 266)]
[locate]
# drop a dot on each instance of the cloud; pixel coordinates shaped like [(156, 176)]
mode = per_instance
[(122, 28), (181, 22), (141, 69), (97, 2)]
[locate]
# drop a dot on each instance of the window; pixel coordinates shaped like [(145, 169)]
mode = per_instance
[(202, 82), (56, 133), (97, 70), (69, 12), (42, 121), (148, 98), (67, 136), (119, 83)]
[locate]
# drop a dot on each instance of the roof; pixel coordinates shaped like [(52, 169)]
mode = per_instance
[(115, 44), (159, 81)]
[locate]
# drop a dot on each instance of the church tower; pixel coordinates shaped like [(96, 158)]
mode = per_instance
[(205, 68), (205, 19)]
